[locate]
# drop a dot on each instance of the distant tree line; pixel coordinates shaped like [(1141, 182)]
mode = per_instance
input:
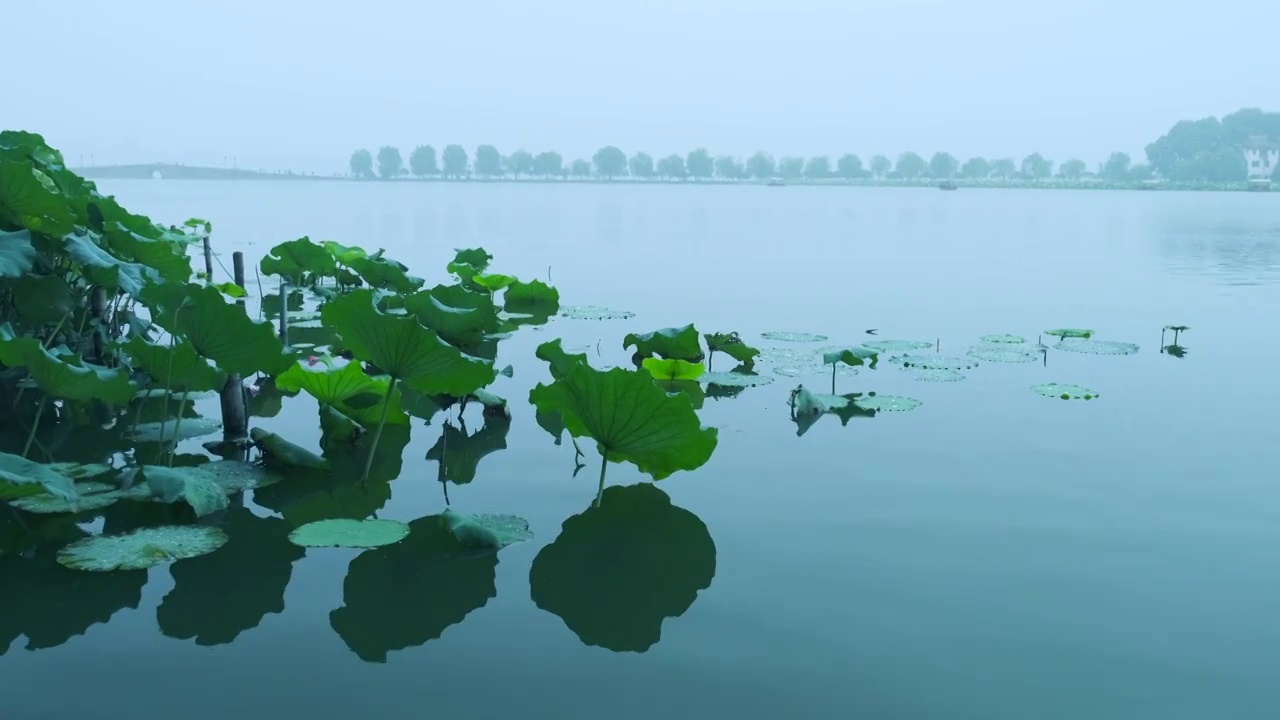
[(1201, 150)]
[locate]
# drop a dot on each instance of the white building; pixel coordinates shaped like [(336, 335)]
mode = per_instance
[(1262, 158)]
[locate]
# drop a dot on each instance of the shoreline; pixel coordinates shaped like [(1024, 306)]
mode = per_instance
[(181, 172)]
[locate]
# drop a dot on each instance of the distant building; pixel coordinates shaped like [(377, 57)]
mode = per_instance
[(1262, 157)]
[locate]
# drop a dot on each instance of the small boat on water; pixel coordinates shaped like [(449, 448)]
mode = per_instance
[(948, 185)]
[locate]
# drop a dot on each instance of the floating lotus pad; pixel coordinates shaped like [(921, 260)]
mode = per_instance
[(46, 504), (1064, 392), (891, 347), (192, 427), (932, 361), (594, 312), (735, 379), (344, 532), (486, 531), (141, 549), (935, 375), (793, 337), (887, 403), (790, 371), (1070, 333), (1097, 347), (1005, 339), (992, 352), (791, 356)]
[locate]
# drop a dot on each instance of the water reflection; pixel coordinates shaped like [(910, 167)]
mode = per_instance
[(55, 604), (618, 570), (216, 597), (407, 594), (459, 454)]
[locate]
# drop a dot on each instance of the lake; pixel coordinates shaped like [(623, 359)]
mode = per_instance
[(991, 554)]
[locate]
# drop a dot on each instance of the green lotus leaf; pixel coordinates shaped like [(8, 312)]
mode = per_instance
[(191, 485), (617, 571), (41, 299), (887, 403), (459, 454), (296, 259), (141, 549), (383, 274), (894, 347), (343, 253), (680, 343), (935, 375), (235, 476), (673, 369), (459, 316), (560, 362), (486, 531), (630, 418), (107, 270), (535, 298), (1096, 347), (167, 255), (403, 348), (65, 376), (807, 407), (738, 378), (992, 352), (1064, 391), (348, 389), (46, 504), (177, 368), (853, 357), (30, 199), (424, 406), (732, 345), (1005, 339), (16, 253), (174, 432), (1177, 328), (795, 337), (594, 312), (1063, 333), (493, 282), (477, 258), (230, 289), (265, 399), (20, 477), (217, 329), (284, 453), (934, 361), (348, 533), (409, 593)]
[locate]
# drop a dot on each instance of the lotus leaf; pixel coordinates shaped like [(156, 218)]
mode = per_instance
[(343, 253), (1005, 339), (296, 259), (560, 361), (384, 274), (217, 329), (730, 344), (894, 347), (16, 253), (935, 375), (808, 407), (1096, 347), (535, 298), (594, 312), (680, 343), (934, 361), (344, 532), (735, 378), (403, 348), (65, 376), (795, 337), (282, 452), (477, 258), (796, 357), (887, 403), (174, 432), (105, 269), (166, 255), (493, 282), (346, 388), (30, 199), (673, 369), (1005, 354), (193, 486), (336, 428), (177, 368), (630, 418), (853, 357), (141, 549), (461, 317), (1063, 333), (486, 531), (41, 299), (235, 476), (618, 570), (1064, 391), (46, 504)]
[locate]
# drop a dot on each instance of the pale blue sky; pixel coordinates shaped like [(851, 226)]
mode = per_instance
[(291, 84)]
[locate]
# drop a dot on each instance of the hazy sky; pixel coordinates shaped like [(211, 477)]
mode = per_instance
[(291, 84)]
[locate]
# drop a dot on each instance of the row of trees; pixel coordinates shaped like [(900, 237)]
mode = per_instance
[(1193, 150), (610, 162)]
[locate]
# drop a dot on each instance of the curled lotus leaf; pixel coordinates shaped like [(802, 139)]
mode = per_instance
[(348, 533), (853, 357), (64, 375), (279, 451), (534, 298), (218, 329), (560, 361), (1177, 328), (1096, 347), (992, 352), (675, 343), (732, 345), (141, 549), (299, 258), (594, 312), (46, 504), (895, 347), (934, 361), (1064, 391), (887, 403), (1063, 333), (385, 274), (192, 485), (807, 407), (486, 531), (793, 337), (477, 258), (734, 378), (461, 317), (1003, 339)]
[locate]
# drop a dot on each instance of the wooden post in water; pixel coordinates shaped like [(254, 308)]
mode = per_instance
[(235, 416), (208, 259), (284, 312)]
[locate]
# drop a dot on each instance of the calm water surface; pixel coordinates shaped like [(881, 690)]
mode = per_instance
[(993, 554)]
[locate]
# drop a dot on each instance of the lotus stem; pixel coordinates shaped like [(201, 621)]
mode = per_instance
[(377, 434), (833, 378), (31, 434), (604, 465)]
